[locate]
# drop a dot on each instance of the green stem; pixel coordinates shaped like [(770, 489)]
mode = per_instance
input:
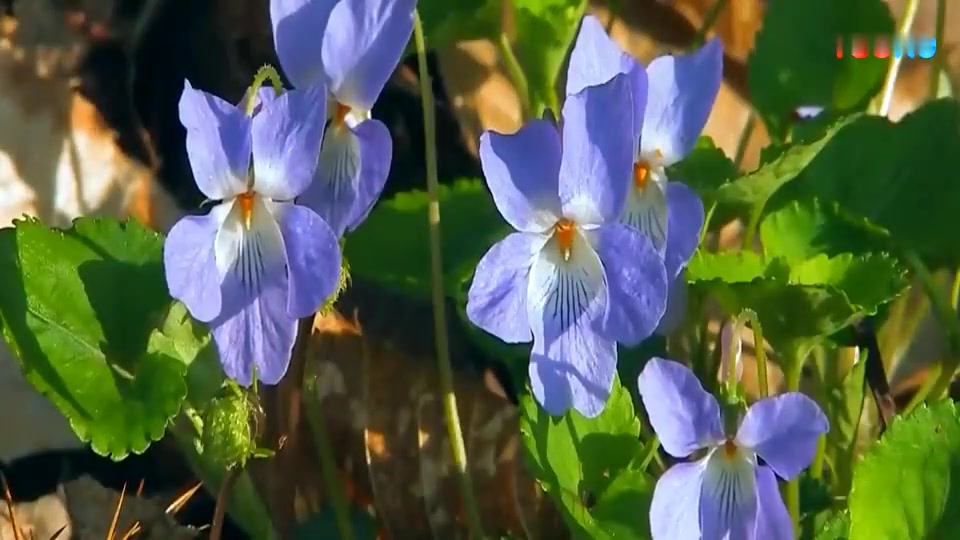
[(760, 351), (816, 468), (649, 452), (709, 19), (936, 64), (265, 72), (458, 448), (744, 139), (946, 315), (328, 464), (909, 15), (792, 375), (515, 72)]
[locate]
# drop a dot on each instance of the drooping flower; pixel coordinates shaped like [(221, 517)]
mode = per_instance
[(257, 262), (352, 46), (571, 279), (728, 493), (682, 90)]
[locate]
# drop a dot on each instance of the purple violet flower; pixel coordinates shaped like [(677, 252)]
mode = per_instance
[(682, 90), (727, 493), (352, 46), (257, 262), (571, 279)]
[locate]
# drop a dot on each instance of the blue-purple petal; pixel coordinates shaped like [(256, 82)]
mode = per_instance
[(376, 151), (333, 192), (362, 46), (596, 58), (190, 268), (636, 280), (497, 299), (286, 138), (685, 219), (598, 152), (218, 143), (773, 520), (571, 364), (680, 96), (313, 260), (521, 170), (258, 334), (297, 31), (676, 310), (684, 416), (675, 508), (783, 430)]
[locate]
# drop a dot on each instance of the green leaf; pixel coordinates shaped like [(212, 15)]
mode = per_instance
[(445, 23), (844, 407), (798, 304), (578, 460), (81, 309), (794, 62), (392, 246), (835, 528), (747, 196), (901, 177), (705, 169), (906, 486), (805, 228), (544, 31)]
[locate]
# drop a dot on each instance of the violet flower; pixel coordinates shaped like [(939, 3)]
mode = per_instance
[(257, 262), (352, 46), (681, 93), (572, 278), (728, 493)]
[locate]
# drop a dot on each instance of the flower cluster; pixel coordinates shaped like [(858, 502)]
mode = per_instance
[(602, 235), (289, 179)]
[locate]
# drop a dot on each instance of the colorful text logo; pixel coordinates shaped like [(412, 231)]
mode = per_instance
[(864, 46)]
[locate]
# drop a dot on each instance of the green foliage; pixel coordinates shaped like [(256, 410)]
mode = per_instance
[(85, 310), (590, 466), (706, 169), (798, 303), (906, 484), (392, 246), (794, 61)]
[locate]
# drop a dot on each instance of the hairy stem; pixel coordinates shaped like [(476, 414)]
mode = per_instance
[(457, 446)]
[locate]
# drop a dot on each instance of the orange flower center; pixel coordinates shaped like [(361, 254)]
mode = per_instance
[(729, 448), (340, 114), (641, 173), (246, 208), (564, 231)]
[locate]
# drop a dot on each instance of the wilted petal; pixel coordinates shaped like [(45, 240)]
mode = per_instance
[(684, 415), (596, 58), (728, 500), (684, 222), (218, 143), (259, 334), (253, 327), (597, 152), (298, 26), (676, 306), (636, 281), (680, 96), (675, 508), (313, 259), (286, 135), (646, 210), (521, 170), (497, 299), (773, 520), (570, 364), (188, 261), (783, 430), (362, 45)]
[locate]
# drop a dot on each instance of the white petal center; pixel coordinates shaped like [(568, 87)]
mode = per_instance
[(646, 208), (248, 243), (339, 155), (730, 485)]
